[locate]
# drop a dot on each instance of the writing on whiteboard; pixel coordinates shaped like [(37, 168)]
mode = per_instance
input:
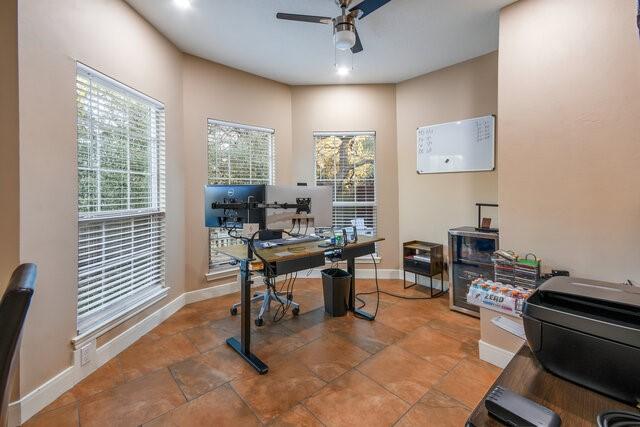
[(461, 146)]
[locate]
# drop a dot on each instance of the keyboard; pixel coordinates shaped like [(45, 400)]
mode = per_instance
[(287, 241)]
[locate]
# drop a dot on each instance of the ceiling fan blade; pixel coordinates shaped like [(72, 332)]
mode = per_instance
[(358, 46), (369, 6), (304, 18)]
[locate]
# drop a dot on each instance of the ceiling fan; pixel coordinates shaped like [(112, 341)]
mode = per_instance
[(345, 34)]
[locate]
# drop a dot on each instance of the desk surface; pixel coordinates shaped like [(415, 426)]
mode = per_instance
[(292, 251), (577, 406)]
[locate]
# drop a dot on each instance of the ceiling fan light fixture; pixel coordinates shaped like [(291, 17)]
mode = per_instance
[(344, 39), (343, 62), (342, 71), (182, 4)]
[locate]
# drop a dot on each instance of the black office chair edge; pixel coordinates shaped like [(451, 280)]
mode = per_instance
[(13, 312)]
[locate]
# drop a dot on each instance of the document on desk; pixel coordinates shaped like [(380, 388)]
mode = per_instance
[(509, 326)]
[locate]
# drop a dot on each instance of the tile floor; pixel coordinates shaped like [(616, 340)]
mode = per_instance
[(416, 365)]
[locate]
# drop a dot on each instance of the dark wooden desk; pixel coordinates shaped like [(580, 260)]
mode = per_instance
[(576, 405), (283, 260)]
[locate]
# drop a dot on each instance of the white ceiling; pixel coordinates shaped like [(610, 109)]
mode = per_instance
[(403, 39)]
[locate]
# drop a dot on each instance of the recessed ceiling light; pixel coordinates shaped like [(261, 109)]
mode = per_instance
[(182, 4)]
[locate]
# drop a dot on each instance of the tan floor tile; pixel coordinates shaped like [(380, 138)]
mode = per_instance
[(330, 356), (278, 391), (200, 374), (216, 308), (355, 400), (66, 416), (402, 318), (132, 403), (105, 377), (65, 399), (468, 381), (309, 300), (149, 354), (458, 326), (185, 318), (298, 416), (435, 410), (435, 347), (369, 336), (220, 407), (402, 373), (279, 342), (311, 325), (210, 335)]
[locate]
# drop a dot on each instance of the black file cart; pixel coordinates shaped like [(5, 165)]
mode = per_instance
[(423, 259), (470, 258)]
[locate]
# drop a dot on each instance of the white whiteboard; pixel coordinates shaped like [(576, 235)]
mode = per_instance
[(462, 146)]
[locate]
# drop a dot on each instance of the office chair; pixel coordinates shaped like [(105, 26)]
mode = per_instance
[(267, 296), (13, 311)]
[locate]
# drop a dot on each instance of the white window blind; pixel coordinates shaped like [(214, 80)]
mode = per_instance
[(121, 199), (237, 154), (346, 162)]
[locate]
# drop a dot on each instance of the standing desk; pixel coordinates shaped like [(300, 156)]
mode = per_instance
[(287, 259)]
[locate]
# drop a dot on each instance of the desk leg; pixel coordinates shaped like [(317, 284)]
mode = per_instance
[(351, 269), (243, 347)]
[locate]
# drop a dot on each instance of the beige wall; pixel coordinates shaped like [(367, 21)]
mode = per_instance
[(218, 92), (431, 204), (110, 37), (352, 108), (569, 126), (9, 142)]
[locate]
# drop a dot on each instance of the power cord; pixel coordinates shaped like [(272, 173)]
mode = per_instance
[(618, 419), (282, 310), (377, 292)]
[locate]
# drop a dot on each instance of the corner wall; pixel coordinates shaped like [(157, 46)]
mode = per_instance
[(213, 91), (569, 126), (110, 37), (431, 204), (352, 108), (9, 143)]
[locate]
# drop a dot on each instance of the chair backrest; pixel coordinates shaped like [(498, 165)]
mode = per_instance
[(13, 311)]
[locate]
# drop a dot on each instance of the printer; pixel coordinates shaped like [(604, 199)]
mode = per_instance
[(587, 332)]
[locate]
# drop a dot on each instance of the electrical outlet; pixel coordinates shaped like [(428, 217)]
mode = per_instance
[(84, 355)]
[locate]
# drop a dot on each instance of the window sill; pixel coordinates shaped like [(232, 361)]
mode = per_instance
[(103, 327), (222, 274)]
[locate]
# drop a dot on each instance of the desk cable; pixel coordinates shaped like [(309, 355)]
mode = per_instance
[(378, 291), (617, 418)]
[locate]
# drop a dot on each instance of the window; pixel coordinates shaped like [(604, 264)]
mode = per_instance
[(237, 154), (121, 200), (346, 163)]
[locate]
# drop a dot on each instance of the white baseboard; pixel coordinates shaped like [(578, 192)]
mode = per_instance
[(213, 291), (361, 273), (13, 415), (42, 396), (495, 355)]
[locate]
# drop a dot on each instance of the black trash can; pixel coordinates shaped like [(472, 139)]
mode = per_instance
[(335, 287)]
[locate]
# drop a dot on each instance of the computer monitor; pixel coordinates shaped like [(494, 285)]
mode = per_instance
[(233, 194), (321, 206)]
